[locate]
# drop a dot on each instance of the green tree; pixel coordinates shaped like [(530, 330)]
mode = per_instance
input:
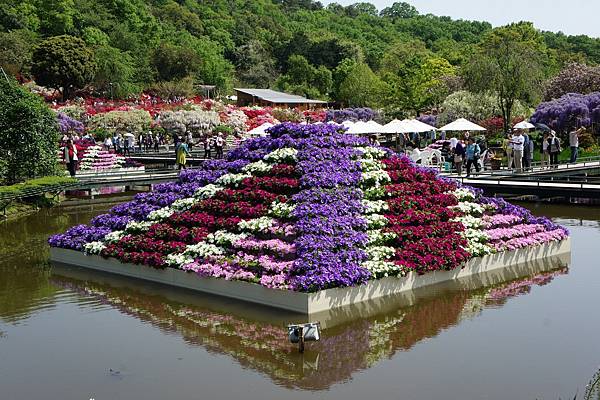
[(361, 87), (255, 66), (56, 16), (304, 79), (414, 75), (510, 65), (64, 63), (16, 48), (115, 74), (174, 62), (399, 10), (28, 134)]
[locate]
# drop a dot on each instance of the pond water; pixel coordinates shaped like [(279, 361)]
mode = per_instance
[(70, 334)]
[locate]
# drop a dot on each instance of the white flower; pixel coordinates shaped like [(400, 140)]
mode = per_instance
[(475, 235), (114, 237), (479, 249), (375, 206), (224, 238), (207, 191), (370, 165), (183, 204), (161, 214), (380, 253), (375, 178), (281, 210), (232, 179), (377, 237), (257, 167), (138, 227), (381, 269), (178, 260), (281, 155), (371, 152), (261, 224), (203, 249), (464, 194), (469, 221), (374, 192), (93, 247), (469, 208), (375, 221)]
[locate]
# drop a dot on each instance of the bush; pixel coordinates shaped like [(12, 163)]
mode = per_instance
[(176, 88), (45, 182), (28, 135)]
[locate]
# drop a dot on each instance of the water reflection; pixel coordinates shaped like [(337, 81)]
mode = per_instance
[(355, 338), (23, 245)]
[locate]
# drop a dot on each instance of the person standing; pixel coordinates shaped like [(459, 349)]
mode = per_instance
[(107, 143), (70, 155), (206, 145), (182, 151), (473, 152), (156, 142), (508, 149), (574, 144), (459, 156), (219, 143), (527, 151), (140, 142), (555, 149), (545, 150), (518, 143)]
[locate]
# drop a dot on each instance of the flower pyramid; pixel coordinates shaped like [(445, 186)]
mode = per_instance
[(309, 208), (96, 159)]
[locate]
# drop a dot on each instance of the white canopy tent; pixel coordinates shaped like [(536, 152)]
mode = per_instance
[(359, 127), (374, 127), (422, 126), (524, 125), (397, 126), (260, 130), (462, 124)]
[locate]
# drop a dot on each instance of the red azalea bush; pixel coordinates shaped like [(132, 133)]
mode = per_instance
[(419, 216)]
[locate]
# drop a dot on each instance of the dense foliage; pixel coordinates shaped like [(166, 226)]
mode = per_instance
[(28, 134), (400, 59)]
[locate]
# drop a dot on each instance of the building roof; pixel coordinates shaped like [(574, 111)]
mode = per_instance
[(278, 97)]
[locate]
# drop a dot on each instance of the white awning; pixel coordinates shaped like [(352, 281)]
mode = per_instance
[(422, 126), (462, 124)]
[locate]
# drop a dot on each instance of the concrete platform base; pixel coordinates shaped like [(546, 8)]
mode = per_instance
[(325, 300)]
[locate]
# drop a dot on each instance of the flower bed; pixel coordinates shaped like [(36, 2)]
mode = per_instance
[(305, 209)]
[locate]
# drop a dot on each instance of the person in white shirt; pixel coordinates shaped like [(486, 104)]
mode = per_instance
[(574, 143), (554, 148), (518, 142), (545, 150)]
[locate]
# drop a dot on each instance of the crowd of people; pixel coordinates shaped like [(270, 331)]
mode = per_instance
[(126, 143)]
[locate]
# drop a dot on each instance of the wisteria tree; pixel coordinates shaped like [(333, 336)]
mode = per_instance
[(574, 78), (569, 111)]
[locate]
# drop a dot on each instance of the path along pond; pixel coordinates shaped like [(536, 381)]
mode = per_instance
[(71, 334)]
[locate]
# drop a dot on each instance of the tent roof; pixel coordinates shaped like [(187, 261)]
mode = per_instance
[(462, 124), (422, 126), (273, 96), (260, 130)]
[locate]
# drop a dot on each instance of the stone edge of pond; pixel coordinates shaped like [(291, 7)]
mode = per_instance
[(311, 303)]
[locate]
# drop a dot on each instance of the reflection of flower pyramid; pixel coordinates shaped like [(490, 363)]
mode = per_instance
[(309, 208), (262, 346)]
